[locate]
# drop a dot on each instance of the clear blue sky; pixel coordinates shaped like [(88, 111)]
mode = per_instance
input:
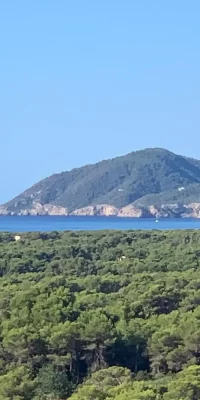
[(84, 80)]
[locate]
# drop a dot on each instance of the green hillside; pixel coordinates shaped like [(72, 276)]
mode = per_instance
[(190, 194), (149, 175)]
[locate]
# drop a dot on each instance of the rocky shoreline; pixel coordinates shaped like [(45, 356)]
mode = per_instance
[(164, 211)]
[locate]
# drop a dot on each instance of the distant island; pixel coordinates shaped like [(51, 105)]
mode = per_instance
[(147, 183)]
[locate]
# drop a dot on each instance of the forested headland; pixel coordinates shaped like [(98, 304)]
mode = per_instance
[(143, 181), (105, 315)]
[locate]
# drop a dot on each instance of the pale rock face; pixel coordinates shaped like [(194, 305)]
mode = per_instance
[(153, 211), (107, 210), (100, 210), (84, 211), (38, 209), (3, 210), (130, 211), (164, 211), (192, 210)]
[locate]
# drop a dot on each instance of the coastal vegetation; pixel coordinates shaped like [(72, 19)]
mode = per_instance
[(105, 315)]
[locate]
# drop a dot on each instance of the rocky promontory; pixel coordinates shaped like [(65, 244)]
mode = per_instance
[(147, 183)]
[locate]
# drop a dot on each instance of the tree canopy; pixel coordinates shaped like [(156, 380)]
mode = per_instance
[(105, 315)]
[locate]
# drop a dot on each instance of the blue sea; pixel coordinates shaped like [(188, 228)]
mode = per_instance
[(48, 223)]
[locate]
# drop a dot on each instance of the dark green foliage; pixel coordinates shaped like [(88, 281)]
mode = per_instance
[(147, 177), (52, 382), (100, 316)]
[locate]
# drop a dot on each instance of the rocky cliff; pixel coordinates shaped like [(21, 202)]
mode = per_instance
[(164, 211), (37, 209)]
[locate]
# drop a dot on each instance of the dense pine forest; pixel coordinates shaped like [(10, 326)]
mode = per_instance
[(103, 315)]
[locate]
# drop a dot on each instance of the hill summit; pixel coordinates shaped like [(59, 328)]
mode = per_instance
[(141, 183)]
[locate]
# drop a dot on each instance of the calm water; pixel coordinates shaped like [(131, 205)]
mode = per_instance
[(30, 224)]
